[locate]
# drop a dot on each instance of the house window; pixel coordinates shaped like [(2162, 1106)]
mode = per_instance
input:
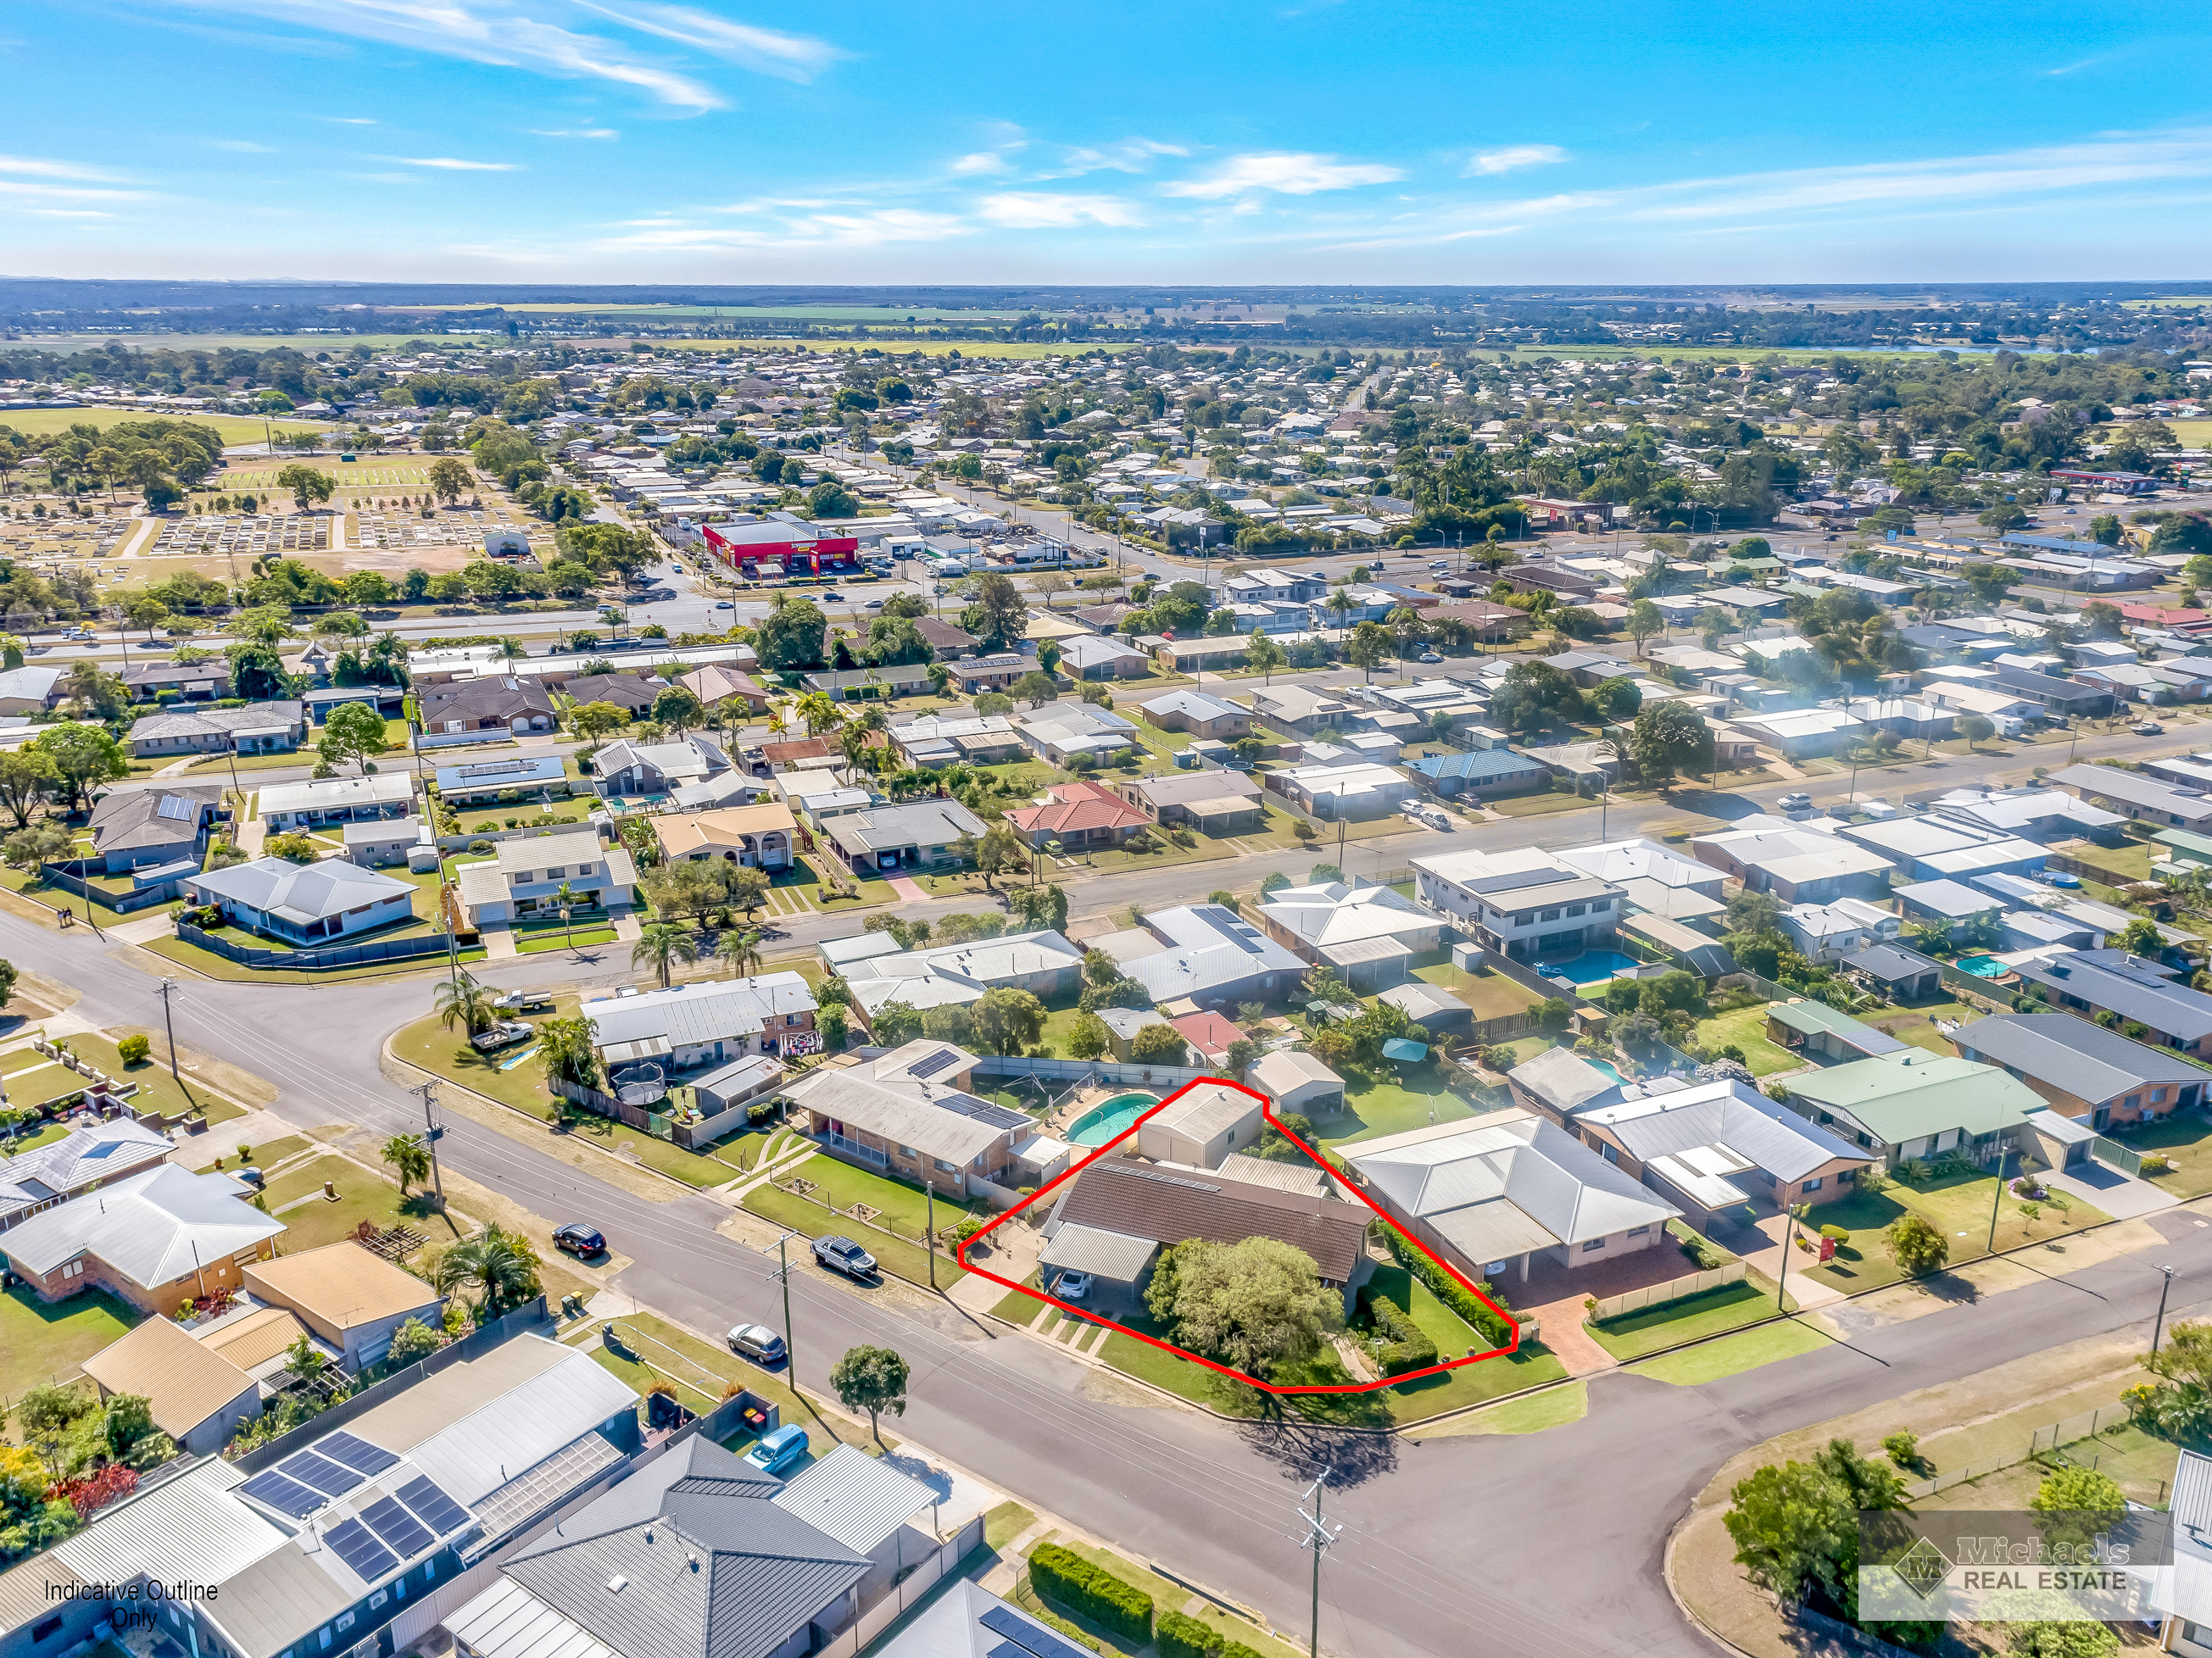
[(1575, 909), (1549, 915), (946, 1167), (584, 869), (1637, 1231), (1594, 1243), (1599, 906), (1811, 1184), (553, 874), (2132, 1101), (909, 1151)]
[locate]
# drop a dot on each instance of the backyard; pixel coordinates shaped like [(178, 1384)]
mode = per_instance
[(2184, 1139), (1374, 1106), (1490, 994), (1745, 1028), (41, 1343)]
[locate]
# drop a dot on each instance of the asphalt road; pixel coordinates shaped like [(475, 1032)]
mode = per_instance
[(1544, 1544)]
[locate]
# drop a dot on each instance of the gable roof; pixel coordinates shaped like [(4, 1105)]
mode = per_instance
[(185, 1381), (1334, 913), (1727, 1114), (2074, 1056), (1140, 1199), (341, 1284), (100, 1152), (157, 816)]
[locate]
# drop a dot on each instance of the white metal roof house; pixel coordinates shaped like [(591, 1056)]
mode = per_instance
[(303, 904), (1206, 953), (711, 1022), (526, 876), (917, 836), (337, 801), (1342, 926), (79, 1160), (1043, 963), (155, 1238), (1715, 1147), (624, 768)]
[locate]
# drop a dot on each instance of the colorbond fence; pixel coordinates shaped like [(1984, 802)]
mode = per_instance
[(1673, 1289)]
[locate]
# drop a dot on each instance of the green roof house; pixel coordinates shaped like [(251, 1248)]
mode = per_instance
[(1914, 1105)]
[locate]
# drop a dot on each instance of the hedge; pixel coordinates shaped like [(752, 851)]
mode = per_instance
[(1180, 1636), (1408, 1346), (1065, 1577), (1448, 1290)]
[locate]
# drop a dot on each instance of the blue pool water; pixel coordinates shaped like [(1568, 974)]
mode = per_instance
[(1605, 1065), (1982, 966), (1109, 1117), (1588, 968)]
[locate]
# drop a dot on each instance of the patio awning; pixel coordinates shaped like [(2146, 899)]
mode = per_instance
[(1114, 1255), (2065, 1130)]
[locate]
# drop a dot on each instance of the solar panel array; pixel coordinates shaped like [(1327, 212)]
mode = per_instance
[(366, 1558), (330, 1478), (438, 1511), (397, 1527), (283, 1494), (358, 1455), (1026, 1639), (923, 1069), (983, 1111)]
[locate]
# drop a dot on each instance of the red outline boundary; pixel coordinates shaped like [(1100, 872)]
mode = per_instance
[(1268, 1109)]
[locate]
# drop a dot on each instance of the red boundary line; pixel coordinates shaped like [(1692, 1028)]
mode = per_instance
[(1268, 1109)]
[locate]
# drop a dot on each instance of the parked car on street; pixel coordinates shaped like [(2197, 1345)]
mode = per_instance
[(2149, 728), (1799, 801), (757, 1343), (577, 1239), (842, 1254)]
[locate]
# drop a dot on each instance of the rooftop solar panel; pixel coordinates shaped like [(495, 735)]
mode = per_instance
[(397, 1527), (438, 1511), (931, 1065), (1026, 1637), (283, 1494), (358, 1455), (332, 1478), (367, 1559), (983, 1111)]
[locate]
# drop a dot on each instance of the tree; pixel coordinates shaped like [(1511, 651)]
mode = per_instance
[(1001, 615), (45, 841), (567, 1048), (1088, 1037), (2047, 1638), (791, 635), (1008, 1020), (9, 974), (461, 1000), (25, 775), (500, 1267), (1370, 647), (451, 478), (2140, 938), (660, 945), (1263, 654), (1644, 621), (146, 613), (1252, 1305), (741, 950), (594, 722), (85, 757), (1917, 1248), (353, 731), (305, 484), (410, 1159), (896, 1023), (1792, 1527), (1976, 729), (1158, 1044), (2077, 1506), (749, 888), (870, 1379), (1669, 736), (678, 708), (1035, 689), (412, 1340)]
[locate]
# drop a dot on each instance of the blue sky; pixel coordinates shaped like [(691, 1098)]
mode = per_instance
[(1313, 140)]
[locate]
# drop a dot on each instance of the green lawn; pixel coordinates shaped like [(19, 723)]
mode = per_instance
[(1733, 1355), (586, 937), (903, 1206), (1745, 1028), (1632, 1335), (208, 964), (156, 1085), (1537, 805), (2186, 1138), (41, 1344), (1491, 994), (1391, 1108), (1004, 1523), (362, 1196), (1958, 1207), (895, 1254)]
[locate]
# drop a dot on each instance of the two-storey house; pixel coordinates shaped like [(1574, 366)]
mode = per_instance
[(525, 877)]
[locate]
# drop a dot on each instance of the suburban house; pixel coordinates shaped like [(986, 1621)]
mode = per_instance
[(1480, 774), (1935, 847), (1213, 802), (715, 685), (1095, 656), (155, 1239), (1080, 816), (1198, 714), (2085, 1071), (2135, 991), (503, 781), (1300, 708), (30, 691), (929, 1130), (1558, 1083), (1125, 1024), (1814, 1029), (887, 679), (711, 1556), (1201, 1125), (1952, 902), (419, 1493), (1828, 932), (146, 829), (337, 800), (1713, 1148), (1210, 1036), (192, 682), (708, 1022), (1113, 1219), (1900, 974), (937, 739), (878, 971), (98, 1154), (1911, 1106), (1355, 792), (350, 1299), (625, 767), (2034, 814), (974, 674), (1492, 1194), (487, 705), (2134, 795), (257, 728), (1652, 879), (303, 903), (1062, 734), (524, 876), (198, 1395), (632, 693), (1528, 905), (920, 835), (1798, 866), (1297, 1081), (1368, 933), (1204, 952), (758, 837)]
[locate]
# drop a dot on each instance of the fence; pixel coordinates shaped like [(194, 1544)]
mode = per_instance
[(2049, 1441), (2087, 872), (395, 949), (121, 902), (1970, 985), (2115, 1155), (606, 1105), (1009, 1065), (1673, 1289)]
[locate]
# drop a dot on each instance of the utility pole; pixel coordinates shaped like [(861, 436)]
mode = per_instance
[(1319, 1535), (2158, 1329), (783, 1275), (1997, 1197), (929, 1208), (1782, 1282), (431, 1131), (168, 989)]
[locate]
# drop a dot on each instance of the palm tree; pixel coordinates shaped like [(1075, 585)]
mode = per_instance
[(408, 1157), (461, 1000), (660, 945), (566, 898), (512, 649), (741, 950), (499, 1267)]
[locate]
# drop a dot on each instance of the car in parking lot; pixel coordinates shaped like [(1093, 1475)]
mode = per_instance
[(842, 1254), (779, 1451), (757, 1343), (2148, 728), (576, 1238)]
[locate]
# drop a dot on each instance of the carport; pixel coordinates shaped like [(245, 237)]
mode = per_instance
[(1118, 1264)]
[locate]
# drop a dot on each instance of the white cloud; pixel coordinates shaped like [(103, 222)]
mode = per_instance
[(982, 160), (1291, 172), (38, 168), (832, 228), (452, 164), (575, 132), (1512, 156), (1130, 155), (66, 213), (789, 56), (1039, 209), (347, 120)]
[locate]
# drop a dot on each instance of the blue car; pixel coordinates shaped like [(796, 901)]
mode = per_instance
[(778, 1452)]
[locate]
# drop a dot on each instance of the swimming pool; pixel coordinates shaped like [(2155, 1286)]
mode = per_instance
[(1103, 1121), (1588, 968), (1982, 966), (1605, 1065)]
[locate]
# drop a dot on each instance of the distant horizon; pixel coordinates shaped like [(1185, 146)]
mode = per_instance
[(1303, 142)]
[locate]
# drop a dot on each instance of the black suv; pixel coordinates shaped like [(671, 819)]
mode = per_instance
[(580, 1240)]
